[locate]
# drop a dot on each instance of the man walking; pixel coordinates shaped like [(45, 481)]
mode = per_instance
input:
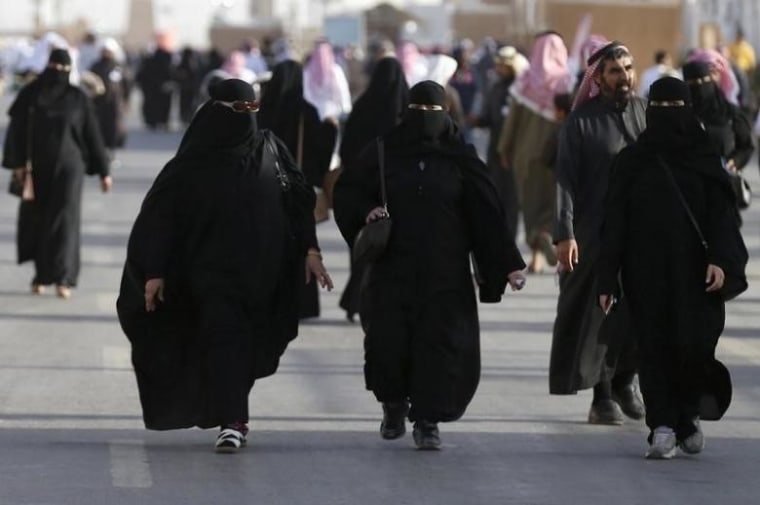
[(587, 348)]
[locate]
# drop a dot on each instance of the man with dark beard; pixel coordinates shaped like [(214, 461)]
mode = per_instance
[(418, 310), (585, 353)]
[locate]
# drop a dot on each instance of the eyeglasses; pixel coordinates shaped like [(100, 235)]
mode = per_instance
[(419, 106), (60, 67), (240, 105), (667, 103)]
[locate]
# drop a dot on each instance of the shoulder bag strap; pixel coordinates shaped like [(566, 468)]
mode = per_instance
[(29, 133), (683, 201), (381, 165), (299, 149), (271, 147)]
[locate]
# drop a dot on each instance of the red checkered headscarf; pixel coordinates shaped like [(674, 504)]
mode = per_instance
[(598, 48)]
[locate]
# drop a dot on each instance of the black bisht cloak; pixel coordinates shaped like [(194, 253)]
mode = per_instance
[(223, 229)]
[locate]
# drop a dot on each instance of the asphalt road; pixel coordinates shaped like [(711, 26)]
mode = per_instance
[(71, 430)]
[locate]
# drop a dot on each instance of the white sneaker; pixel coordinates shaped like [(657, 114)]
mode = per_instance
[(694, 443), (229, 441), (663, 444)]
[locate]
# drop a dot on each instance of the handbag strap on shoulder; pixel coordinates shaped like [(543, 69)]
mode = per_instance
[(381, 166), (684, 203)]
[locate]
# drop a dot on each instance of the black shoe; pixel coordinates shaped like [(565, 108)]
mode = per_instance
[(394, 420), (426, 436), (605, 412), (630, 401)]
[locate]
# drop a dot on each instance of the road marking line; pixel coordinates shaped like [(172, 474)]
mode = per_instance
[(129, 464)]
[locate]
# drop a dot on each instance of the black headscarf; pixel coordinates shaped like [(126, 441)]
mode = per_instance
[(216, 129), (708, 100), (282, 101), (52, 82), (377, 110)]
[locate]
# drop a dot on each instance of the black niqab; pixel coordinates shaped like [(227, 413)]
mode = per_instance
[(426, 131), (217, 128), (707, 99), (675, 133), (53, 82)]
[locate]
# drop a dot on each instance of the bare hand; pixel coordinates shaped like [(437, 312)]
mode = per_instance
[(567, 254), (606, 302), (516, 280), (315, 268), (376, 213), (106, 183), (715, 278), (154, 290), (731, 165)]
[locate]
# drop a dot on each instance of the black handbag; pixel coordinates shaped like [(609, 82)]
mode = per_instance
[(372, 239), (742, 190), (733, 285)]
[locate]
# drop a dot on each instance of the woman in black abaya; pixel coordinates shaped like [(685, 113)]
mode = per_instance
[(418, 310), (671, 281), (375, 113), (53, 124), (310, 142), (213, 266)]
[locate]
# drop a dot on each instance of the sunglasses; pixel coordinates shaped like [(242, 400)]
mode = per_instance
[(419, 106), (240, 105)]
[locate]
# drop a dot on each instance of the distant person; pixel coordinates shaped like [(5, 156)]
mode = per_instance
[(188, 75), (155, 80), (310, 141), (376, 112), (531, 121), (671, 280), (53, 124), (214, 263), (422, 351), (663, 66), (742, 53), (414, 64), (111, 106), (509, 64), (325, 85)]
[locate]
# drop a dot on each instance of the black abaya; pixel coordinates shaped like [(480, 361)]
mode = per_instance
[(65, 145)]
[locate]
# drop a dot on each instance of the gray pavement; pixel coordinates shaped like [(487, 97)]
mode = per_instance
[(71, 430)]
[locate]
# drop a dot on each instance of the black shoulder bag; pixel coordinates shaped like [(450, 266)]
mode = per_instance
[(372, 239), (733, 285)]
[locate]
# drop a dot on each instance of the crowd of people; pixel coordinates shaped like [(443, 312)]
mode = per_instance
[(628, 195)]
